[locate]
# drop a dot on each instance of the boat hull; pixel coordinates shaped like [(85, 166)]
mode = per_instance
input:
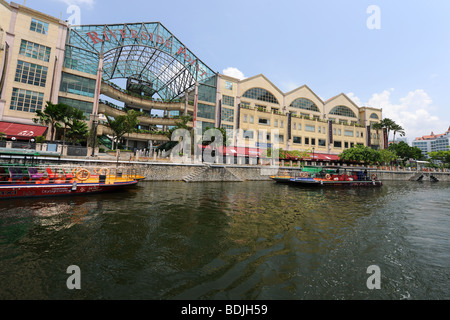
[(332, 183), (65, 189)]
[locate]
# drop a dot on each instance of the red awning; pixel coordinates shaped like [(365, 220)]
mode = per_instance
[(323, 157), (21, 131), (237, 151)]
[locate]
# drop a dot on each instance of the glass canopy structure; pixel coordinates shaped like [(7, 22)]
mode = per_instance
[(146, 54)]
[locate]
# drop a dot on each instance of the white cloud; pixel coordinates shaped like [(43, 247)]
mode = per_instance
[(355, 99), (234, 72), (413, 112)]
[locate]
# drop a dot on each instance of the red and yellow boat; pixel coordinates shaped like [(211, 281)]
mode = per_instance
[(34, 181)]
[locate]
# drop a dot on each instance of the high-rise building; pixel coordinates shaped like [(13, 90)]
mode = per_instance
[(433, 142)]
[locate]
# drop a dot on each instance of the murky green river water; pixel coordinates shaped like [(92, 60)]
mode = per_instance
[(252, 240)]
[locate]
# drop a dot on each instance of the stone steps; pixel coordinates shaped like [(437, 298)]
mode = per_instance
[(195, 173)]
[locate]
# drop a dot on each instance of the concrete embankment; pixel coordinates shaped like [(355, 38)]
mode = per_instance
[(166, 171)]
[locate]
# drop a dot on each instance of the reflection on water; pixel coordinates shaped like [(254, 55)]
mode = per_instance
[(253, 240)]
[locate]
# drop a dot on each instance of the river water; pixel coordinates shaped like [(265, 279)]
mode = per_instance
[(239, 241)]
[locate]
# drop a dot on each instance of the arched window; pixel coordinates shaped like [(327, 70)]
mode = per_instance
[(343, 111), (305, 104), (374, 116), (261, 95)]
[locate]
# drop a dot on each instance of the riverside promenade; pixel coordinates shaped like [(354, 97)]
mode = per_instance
[(164, 169)]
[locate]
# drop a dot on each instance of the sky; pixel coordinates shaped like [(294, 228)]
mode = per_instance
[(393, 55)]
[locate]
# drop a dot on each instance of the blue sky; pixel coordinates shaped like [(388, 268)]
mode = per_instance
[(402, 67)]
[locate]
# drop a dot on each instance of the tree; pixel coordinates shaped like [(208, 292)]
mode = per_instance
[(405, 152), (118, 127), (78, 129), (50, 117), (131, 122), (442, 156), (396, 128), (388, 124)]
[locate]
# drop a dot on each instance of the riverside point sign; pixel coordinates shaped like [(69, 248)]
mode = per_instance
[(139, 34)]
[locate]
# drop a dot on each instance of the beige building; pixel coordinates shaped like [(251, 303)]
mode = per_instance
[(257, 108), (31, 58), (43, 59)]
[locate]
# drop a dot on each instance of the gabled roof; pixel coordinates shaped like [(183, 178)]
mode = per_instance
[(306, 87), (345, 96), (266, 79)]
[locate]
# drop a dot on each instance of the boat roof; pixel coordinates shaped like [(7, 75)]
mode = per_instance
[(348, 168), (28, 152)]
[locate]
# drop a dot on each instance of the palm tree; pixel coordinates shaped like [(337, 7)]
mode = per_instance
[(78, 129), (50, 117), (396, 128), (118, 127), (388, 124), (131, 122)]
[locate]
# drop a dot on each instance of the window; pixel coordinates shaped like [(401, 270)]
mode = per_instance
[(343, 111), (295, 126), (228, 101), (26, 100), (374, 116), (248, 134), (31, 73), (228, 129), (306, 140), (206, 111), (264, 121), (35, 51), (304, 104), (260, 108), (282, 124), (348, 133), (39, 26), (84, 106), (346, 145), (228, 85), (261, 95), (320, 129), (276, 123), (297, 140), (313, 141), (245, 105), (80, 60), (337, 144), (74, 84), (310, 128), (262, 134), (252, 119), (227, 114), (281, 138), (322, 143), (206, 93), (245, 118)]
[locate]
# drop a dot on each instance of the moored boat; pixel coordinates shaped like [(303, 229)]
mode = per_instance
[(34, 181), (338, 176)]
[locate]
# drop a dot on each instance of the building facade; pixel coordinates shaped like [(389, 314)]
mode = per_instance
[(44, 59), (433, 142)]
